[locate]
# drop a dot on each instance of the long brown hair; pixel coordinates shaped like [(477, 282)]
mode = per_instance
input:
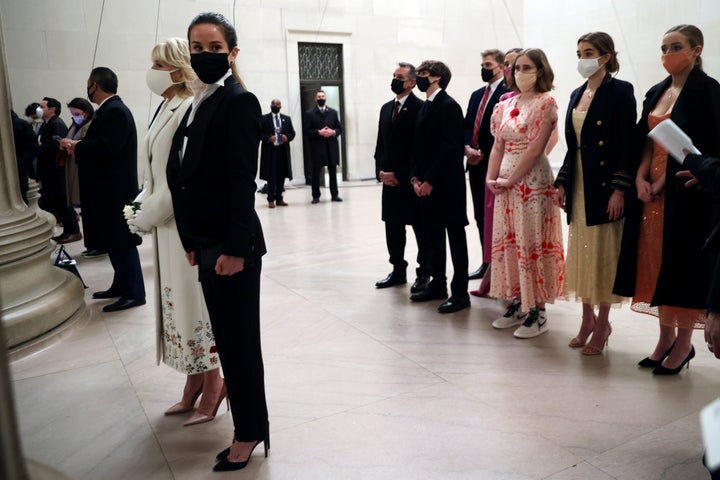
[(604, 45), (694, 36)]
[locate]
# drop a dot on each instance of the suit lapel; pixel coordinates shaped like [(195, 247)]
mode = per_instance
[(160, 120), (199, 125)]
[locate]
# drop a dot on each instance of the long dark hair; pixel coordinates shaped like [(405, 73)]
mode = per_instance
[(228, 31)]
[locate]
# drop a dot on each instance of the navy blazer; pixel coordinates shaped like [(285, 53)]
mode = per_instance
[(485, 138), (393, 153), (438, 159), (213, 184), (607, 148)]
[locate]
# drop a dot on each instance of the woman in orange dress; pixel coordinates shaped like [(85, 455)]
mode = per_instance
[(672, 270)]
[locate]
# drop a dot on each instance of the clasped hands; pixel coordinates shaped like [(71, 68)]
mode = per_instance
[(68, 145), (499, 185), (474, 157), (326, 132), (225, 264), (388, 178), (273, 138)]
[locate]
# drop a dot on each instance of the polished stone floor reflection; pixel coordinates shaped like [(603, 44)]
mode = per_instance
[(362, 384)]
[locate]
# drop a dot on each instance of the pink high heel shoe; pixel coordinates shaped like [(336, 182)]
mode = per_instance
[(186, 404), (200, 417)]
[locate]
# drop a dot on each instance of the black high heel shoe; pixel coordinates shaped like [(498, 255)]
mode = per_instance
[(663, 370), (648, 362), (225, 465)]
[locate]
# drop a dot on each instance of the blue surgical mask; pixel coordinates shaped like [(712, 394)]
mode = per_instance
[(79, 119)]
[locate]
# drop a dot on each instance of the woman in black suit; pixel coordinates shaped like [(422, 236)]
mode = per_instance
[(670, 268), (592, 183), (211, 173)]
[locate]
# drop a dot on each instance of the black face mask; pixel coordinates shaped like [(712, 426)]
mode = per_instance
[(90, 95), (423, 83), (397, 86), (210, 67), (275, 109), (486, 74), (321, 102)]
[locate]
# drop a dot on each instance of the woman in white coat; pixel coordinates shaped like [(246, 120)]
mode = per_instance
[(185, 339)]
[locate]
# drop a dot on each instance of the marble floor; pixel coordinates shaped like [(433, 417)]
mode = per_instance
[(363, 384)]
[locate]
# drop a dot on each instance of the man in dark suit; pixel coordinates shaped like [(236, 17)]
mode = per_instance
[(393, 154), (276, 133), (49, 173), (438, 178), (322, 127), (107, 170), (479, 141), (26, 147)]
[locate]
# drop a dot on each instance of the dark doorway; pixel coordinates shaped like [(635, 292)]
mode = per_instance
[(321, 68)]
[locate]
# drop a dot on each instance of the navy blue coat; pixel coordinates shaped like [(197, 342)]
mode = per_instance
[(608, 148)]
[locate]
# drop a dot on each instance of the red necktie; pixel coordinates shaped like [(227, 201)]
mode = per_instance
[(396, 110), (478, 118)]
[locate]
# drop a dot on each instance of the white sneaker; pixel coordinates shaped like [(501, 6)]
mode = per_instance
[(511, 318), (535, 324)]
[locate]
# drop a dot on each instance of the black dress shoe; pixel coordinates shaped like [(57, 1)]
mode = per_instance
[(421, 283), (225, 465), (479, 273), (430, 293), (336, 199), (315, 200), (391, 280), (663, 370), (105, 294), (455, 304), (93, 253), (124, 304)]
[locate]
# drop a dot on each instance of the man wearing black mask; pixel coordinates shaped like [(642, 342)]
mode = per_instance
[(322, 127), (479, 142), (276, 133), (393, 154)]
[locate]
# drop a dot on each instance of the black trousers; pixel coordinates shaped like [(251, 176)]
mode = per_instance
[(396, 239), (476, 176), (332, 172), (277, 174), (128, 278), (68, 217), (233, 302), (438, 257)]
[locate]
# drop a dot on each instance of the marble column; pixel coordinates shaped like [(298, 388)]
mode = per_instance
[(35, 296)]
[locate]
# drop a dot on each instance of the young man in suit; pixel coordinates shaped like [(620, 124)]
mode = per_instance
[(49, 173), (276, 134), (438, 178), (479, 141), (393, 154), (322, 127), (107, 169)]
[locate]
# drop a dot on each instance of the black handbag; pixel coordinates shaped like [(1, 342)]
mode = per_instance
[(66, 262)]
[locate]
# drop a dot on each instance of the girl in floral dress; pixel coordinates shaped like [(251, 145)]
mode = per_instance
[(528, 262)]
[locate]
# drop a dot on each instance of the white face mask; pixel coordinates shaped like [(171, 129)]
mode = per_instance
[(588, 66), (39, 111), (159, 80), (525, 81)]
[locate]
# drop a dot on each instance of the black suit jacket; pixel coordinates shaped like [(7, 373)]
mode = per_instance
[(438, 159), (690, 213), (485, 138), (323, 151), (213, 184), (107, 173), (268, 149), (49, 147), (607, 148), (707, 171), (393, 153)]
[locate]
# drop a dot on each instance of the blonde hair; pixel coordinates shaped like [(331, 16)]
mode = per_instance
[(176, 53)]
